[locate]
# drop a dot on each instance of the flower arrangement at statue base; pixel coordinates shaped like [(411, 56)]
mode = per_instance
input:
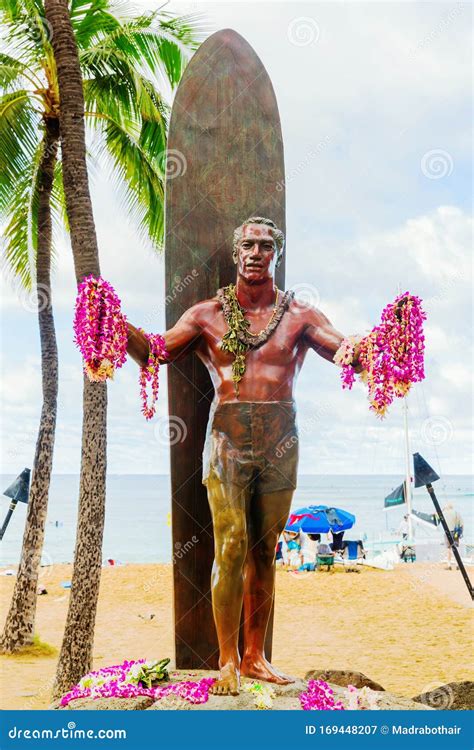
[(134, 679), (364, 699), (319, 696), (391, 356), (263, 695)]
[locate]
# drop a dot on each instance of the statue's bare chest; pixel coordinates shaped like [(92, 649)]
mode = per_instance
[(283, 345)]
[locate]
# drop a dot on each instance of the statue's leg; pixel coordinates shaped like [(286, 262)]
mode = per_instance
[(268, 515), (229, 507)]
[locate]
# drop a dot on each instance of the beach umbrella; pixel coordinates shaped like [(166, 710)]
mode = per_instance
[(425, 475), (18, 491), (319, 519)]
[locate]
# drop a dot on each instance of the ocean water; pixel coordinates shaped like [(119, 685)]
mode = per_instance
[(137, 526)]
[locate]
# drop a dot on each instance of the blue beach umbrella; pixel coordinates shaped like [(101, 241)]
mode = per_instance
[(319, 519)]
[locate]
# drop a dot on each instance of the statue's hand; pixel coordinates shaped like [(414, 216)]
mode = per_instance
[(355, 361)]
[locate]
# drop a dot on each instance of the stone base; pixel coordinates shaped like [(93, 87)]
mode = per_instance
[(455, 696), (286, 698)]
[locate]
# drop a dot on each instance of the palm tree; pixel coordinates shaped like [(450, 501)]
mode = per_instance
[(120, 56)]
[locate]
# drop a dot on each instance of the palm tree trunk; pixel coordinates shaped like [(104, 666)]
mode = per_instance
[(75, 658), (20, 622)]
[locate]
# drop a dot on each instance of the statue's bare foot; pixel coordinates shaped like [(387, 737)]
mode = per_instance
[(228, 682), (259, 668)]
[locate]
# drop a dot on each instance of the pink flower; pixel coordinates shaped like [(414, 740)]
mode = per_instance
[(392, 355), (111, 682), (100, 328), (319, 697)]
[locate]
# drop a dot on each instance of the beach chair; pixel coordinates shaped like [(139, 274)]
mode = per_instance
[(352, 555), (408, 554), (325, 557)]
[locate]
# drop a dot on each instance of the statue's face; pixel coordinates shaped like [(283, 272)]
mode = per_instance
[(256, 253)]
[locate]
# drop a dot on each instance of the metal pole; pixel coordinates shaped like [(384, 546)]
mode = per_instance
[(447, 531), (7, 518), (407, 471)]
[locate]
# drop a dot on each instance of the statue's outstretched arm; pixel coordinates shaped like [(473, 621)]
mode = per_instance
[(324, 338), (180, 339)]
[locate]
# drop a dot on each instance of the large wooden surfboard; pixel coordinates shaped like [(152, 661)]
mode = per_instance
[(225, 163)]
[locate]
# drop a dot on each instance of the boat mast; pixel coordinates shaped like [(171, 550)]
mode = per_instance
[(407, 470), (407, 461)]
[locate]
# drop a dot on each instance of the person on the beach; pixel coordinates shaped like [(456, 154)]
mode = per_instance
[(455, 524), (309, 546), (279, 559), (293, 546), (336, 540), (253, 338), (404, 528)]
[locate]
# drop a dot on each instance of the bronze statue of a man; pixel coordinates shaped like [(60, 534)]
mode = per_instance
[(253, 339)]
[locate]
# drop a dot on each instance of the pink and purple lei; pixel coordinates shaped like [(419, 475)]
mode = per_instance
[(114, 682), (392, 355)]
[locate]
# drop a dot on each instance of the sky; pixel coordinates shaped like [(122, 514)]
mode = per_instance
[(375, 106)]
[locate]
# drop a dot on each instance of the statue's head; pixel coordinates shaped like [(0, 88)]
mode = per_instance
[(258, 248)]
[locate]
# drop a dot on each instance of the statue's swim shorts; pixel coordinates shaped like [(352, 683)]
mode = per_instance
[(253, 444)]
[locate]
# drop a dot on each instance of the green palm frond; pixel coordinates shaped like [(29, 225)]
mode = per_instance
[(139, 178), (124, 59), (19, 139), (28, 30), (58, 202), (10, 70), (21, 232), (92, 17)]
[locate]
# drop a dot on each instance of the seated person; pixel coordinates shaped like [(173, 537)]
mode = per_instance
[(294, 548), (279, 560), (308, 551)]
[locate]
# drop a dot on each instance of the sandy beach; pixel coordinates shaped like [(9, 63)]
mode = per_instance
[(406, 629)]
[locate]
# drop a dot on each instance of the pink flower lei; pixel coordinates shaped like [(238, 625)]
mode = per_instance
[(150, 373), (101, 334), (113, 682), (100, 328), (392, 355), (319, 697)]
